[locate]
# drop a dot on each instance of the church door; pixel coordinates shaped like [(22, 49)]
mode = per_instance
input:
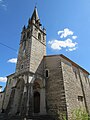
[(36, 102)]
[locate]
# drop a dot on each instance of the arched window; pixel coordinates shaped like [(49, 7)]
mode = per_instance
[(39, 36), (46, 73), (28, 34)]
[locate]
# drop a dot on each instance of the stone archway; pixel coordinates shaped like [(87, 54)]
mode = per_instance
[(39, 97), (36, 102)]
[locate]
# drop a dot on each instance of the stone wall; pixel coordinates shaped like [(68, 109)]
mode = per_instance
[(86, 89), (67, 86), (73, 87), (38, 50), (23, 62), (35, 48), (55, 95), (9, 85), (17, 100), (1, 100)]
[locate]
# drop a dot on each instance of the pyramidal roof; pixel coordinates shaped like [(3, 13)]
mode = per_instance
[(35, 15)]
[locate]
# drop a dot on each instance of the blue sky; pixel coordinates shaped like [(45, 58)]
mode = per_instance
[(67, 23)]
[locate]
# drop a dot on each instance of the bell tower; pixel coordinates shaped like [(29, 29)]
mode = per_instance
[(29, 83), (32, 45)]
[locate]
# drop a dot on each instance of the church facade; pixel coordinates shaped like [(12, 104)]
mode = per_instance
[(44, 84)]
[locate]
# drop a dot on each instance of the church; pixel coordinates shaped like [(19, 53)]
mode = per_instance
[(44, 84)]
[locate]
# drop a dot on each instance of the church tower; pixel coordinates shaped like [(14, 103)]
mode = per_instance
[(32, 45), (29, 83)]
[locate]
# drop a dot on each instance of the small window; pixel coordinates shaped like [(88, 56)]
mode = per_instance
[(80, 98), (28, 34), (39, 36), (43, 38), (46, 73), (75, 72)]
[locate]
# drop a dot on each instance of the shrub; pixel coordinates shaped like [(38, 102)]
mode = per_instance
[(79, 114)]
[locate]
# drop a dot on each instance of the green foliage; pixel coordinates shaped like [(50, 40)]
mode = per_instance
[(77, 114), (80, 114)]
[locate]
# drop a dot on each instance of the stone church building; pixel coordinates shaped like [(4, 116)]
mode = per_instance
[(44, 84)]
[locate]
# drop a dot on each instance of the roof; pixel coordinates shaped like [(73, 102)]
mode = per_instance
[(73, 63), (35, 15)]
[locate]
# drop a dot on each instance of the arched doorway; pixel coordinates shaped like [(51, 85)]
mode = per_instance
[(36, 102)]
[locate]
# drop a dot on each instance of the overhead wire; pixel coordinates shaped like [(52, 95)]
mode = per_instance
[(8, 47)]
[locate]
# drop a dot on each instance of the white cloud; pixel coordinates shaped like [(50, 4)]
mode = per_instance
[(66, 32), (74, 37), (3, 5), (71, 49), (58, 44), (66, 43), (59, 32), (13, 60), (55, 44), (3, 79)]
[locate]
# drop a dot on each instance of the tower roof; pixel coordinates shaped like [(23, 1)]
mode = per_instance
[(35, 15)]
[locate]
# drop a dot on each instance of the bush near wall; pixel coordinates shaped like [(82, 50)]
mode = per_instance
[(77, 114)]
